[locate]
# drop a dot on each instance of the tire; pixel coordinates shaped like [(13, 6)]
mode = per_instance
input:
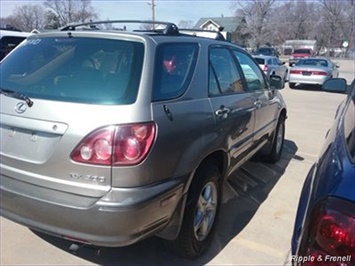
[(292, 85), (201, 213), (277, 143)]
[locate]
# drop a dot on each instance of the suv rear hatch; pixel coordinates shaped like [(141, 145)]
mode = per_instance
[(77, 85), (262, 63)]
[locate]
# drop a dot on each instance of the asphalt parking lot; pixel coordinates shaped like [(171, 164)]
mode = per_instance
[(257, 215)]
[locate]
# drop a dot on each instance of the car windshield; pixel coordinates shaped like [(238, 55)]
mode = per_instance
[(312, 62), (84, 70), (302, 51), (265, 51)]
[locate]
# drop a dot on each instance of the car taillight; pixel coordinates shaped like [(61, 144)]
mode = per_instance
[(116, 145), (329, 237), (293, 71), (266, 68), (320, 73)]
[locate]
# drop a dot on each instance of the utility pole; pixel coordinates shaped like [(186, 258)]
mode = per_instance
[(152, 6)]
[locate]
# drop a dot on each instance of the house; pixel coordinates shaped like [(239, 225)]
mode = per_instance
[(231, 27)]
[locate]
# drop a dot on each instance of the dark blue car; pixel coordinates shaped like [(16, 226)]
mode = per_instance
[(324, 232)]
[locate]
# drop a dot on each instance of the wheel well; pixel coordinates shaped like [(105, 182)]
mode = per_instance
[(219, 158)]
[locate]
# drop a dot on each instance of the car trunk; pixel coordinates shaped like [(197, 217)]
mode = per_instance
[(36, 145)]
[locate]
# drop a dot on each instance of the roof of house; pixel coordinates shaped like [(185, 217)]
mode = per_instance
[(230, 24)]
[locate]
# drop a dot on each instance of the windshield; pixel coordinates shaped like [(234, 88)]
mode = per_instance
[(302, 51), (265, 51), (85, 70)]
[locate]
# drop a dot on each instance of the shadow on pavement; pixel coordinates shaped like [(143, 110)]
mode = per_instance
[(245, 191)]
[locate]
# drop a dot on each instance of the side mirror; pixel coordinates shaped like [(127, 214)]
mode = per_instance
[(337, 85), (275, 82)]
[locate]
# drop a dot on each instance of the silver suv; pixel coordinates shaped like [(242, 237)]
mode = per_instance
[(111, 136)]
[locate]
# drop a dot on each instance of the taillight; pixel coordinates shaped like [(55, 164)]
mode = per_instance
[(321, 73), (266, 68), (329, 237), (116, 145), (293, 71)]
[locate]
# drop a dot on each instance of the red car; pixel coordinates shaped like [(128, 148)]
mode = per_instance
[(299, 54)]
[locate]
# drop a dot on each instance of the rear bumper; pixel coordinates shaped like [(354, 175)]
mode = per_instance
[(120, 218), (307, 79)]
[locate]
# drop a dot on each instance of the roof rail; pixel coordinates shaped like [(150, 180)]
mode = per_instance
[(156, 26), (211, 34)]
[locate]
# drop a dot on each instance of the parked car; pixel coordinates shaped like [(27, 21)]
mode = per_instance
[(314, 70), (272, 65), (9, 39), (299, 54), (324, 232), (266, 51), (109, 136)]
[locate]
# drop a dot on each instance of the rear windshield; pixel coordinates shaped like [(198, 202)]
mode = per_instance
[(260, 61), (312, 62), (83, 70)]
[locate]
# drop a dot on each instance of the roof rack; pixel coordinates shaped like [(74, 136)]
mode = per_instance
[(167, 28), (212, 34)]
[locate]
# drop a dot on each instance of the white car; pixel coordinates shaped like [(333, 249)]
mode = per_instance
[(313, 70), (272, 65)]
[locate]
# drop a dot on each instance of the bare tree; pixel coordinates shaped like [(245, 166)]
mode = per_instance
[(256, 14), (339, 22), (27, 17), (71, 11), (273, 21)]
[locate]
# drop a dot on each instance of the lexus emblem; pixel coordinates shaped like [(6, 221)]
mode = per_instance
[(21, 107)]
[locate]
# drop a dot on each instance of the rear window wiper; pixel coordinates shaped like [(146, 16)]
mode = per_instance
[(17, 95)]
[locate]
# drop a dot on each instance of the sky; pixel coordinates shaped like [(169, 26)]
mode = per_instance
[(165, 10)]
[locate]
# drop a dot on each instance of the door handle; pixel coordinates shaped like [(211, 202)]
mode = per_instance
[(223, 111)]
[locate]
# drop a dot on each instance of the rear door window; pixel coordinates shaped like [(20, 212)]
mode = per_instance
[(224, 77), (175, 64), (83, 70)]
